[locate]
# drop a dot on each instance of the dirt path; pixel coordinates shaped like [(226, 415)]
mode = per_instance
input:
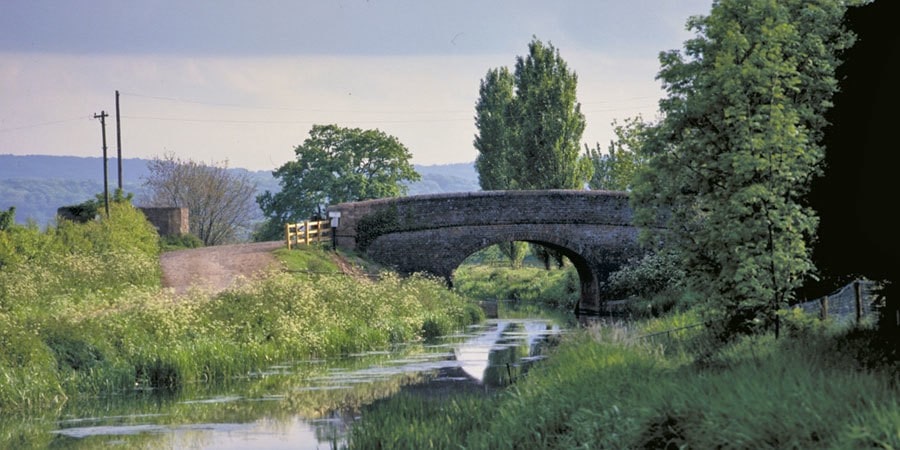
[(215, 268)]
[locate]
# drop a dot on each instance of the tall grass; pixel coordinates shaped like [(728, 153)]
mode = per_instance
[(81, 312), (606, 389)]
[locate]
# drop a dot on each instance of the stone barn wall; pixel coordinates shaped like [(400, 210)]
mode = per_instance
[(168, 221)]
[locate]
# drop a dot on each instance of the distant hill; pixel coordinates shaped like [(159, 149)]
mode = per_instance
[(37, 185)]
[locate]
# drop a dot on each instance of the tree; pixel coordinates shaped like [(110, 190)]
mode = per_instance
[(738, 146), (530, 124), (336, 165), (548, 122), (495, 131), (219, 201), (617, 169)]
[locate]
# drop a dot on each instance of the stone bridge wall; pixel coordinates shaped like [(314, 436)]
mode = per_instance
[(435, 233), (425, 212)]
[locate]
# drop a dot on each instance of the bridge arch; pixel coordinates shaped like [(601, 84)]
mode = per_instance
[(436, 233), (589, 284)]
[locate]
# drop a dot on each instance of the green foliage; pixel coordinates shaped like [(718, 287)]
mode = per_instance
[(7, 218), (617, 169), (549, 122), (606, 388), (336, 165), (371, 226), (413, 421), (268, 230), (81, 313), (494, 138), (312, 259), (53, 280), (554, 288), (82, 212), (179, 241), (529, 125), (651, 274), (737, 148)]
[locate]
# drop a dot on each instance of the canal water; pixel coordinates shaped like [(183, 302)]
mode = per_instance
[(307, 404)]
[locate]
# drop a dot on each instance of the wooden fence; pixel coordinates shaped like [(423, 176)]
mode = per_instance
[(306, 232)]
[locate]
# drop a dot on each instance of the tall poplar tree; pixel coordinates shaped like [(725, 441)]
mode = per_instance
[(496, 131), (530, 125), (738, 147), (549, 122)]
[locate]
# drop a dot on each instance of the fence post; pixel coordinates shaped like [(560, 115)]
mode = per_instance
[(287, 234), (306, 232), (823, 311), (857, 288)]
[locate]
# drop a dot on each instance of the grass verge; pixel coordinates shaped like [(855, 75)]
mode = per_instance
[(603, 388)]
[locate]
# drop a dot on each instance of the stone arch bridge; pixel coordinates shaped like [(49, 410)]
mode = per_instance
[(435, 233)]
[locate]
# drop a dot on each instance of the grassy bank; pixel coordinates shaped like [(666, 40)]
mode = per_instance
[(81, 312), (604, 388)]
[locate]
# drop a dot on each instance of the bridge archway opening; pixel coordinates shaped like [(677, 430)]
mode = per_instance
[(588, 284)]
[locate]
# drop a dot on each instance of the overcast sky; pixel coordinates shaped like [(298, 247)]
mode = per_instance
[(244, 81)]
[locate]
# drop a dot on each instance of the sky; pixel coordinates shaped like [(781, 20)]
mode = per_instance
[(243, 82)]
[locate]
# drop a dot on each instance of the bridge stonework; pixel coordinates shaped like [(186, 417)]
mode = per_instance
[(435, 233)]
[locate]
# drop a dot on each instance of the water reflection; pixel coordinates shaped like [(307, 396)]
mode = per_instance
[(305, 404), (506, 348)]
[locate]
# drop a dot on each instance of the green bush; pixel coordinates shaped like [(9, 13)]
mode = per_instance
[(643, 278), (7, 218), (179, 241)]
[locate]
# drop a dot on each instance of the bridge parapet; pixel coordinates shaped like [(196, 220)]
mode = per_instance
[(426, 212)]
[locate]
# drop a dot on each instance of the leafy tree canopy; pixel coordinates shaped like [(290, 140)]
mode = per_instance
[(738, 147), (617, 169), (335, 165)]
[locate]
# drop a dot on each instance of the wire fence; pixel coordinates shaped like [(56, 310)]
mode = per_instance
[(851, 304), (854, 303)]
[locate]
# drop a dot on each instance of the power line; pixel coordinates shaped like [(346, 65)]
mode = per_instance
[(285, 122), (616, 106), (39, 124), (292, 109)]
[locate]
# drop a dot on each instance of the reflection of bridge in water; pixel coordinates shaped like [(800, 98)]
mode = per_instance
[(504, 350)]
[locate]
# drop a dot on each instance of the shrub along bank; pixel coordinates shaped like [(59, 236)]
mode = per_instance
[(81, 312), (605, 388)]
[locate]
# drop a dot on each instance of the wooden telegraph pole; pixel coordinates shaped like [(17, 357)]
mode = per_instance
[(119, 142), (102, 116)]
